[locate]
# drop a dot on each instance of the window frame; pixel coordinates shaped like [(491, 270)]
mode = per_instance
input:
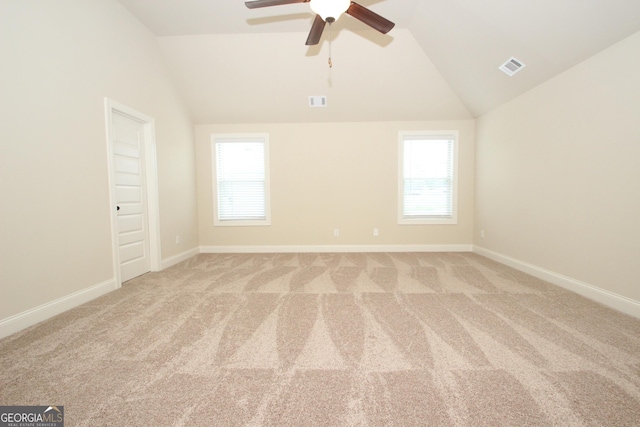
[(240, 138), (430, 135)]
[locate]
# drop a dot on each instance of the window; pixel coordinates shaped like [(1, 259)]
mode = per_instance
[(241, 179), (428, 177)]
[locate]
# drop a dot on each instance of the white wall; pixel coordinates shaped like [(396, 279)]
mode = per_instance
[(59, 60), (335, 175), (558, 176)]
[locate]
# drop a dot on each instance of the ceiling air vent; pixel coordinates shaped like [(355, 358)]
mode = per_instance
[(317, 101), (512, 66)]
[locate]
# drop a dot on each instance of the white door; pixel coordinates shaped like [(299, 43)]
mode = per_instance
[(132, 220)]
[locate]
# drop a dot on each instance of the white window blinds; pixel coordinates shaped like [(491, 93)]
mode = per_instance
[(241, 180), (428, 178)]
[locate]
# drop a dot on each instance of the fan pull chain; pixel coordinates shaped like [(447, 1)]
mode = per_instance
[(330, 37)]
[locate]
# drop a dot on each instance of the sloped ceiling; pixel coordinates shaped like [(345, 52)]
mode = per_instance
[(440, 62)]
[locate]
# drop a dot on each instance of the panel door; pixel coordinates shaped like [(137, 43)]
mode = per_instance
[(132, 218)]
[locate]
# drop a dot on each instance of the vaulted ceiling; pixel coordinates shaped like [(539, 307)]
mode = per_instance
[(440, 62)]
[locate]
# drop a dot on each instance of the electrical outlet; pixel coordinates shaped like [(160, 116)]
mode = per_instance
[(178, 240), (375, 232), (336, 232), (482, 234)]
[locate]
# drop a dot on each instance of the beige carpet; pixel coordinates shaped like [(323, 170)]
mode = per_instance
[(376, 339)]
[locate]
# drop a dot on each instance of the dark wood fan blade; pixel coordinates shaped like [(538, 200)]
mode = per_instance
[(316, 31), (266, 3), (370, 18)]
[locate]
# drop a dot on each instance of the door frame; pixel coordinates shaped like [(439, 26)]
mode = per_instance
[(151, 184)]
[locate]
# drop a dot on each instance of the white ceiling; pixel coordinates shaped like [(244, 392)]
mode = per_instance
[(440, 62)]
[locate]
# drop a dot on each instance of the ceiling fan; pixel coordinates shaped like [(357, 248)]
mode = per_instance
[(328, 11)]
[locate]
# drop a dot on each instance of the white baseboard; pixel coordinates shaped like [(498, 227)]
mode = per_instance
[(610, 299), (171, 261), (335, 248), (28, 318)]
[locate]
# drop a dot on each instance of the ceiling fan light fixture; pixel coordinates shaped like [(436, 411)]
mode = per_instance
[(328, 9)]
